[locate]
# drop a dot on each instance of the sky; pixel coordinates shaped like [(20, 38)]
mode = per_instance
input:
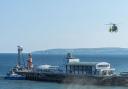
[(49, 24)]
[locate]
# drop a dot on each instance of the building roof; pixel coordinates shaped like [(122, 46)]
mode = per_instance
[(83, 63)]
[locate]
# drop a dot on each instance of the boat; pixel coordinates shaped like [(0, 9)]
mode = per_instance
[(13, 76)]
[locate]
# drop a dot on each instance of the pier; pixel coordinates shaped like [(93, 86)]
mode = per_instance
[(74, 71)]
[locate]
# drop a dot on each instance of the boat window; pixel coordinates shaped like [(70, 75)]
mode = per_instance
[(103, 65)]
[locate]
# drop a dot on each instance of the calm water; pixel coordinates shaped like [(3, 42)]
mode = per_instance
[(120, 62)]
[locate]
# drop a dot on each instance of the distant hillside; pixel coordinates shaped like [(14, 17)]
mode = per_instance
[(85, 51)]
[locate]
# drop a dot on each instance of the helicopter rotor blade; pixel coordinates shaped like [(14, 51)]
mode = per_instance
[(110, 24)]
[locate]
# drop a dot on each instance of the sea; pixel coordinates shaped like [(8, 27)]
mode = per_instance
[(8, 60)]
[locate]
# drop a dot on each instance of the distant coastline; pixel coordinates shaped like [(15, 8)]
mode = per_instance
[(84, 51)]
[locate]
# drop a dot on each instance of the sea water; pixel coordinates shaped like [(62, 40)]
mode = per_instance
[(7, 60)]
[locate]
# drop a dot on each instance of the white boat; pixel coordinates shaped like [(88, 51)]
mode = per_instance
[(14, 76)]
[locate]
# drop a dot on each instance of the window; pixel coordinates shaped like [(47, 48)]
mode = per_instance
[(103, 65)]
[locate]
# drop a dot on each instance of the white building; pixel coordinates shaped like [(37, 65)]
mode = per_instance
[(74, 66)]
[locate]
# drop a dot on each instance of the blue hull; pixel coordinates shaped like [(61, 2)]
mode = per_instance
[(15, 78)]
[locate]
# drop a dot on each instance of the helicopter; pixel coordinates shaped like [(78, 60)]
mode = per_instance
[(113, 27)]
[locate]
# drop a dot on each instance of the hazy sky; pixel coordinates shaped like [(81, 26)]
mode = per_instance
[(47, 24)]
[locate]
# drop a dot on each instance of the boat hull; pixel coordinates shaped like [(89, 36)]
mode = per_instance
[(14, 78)]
